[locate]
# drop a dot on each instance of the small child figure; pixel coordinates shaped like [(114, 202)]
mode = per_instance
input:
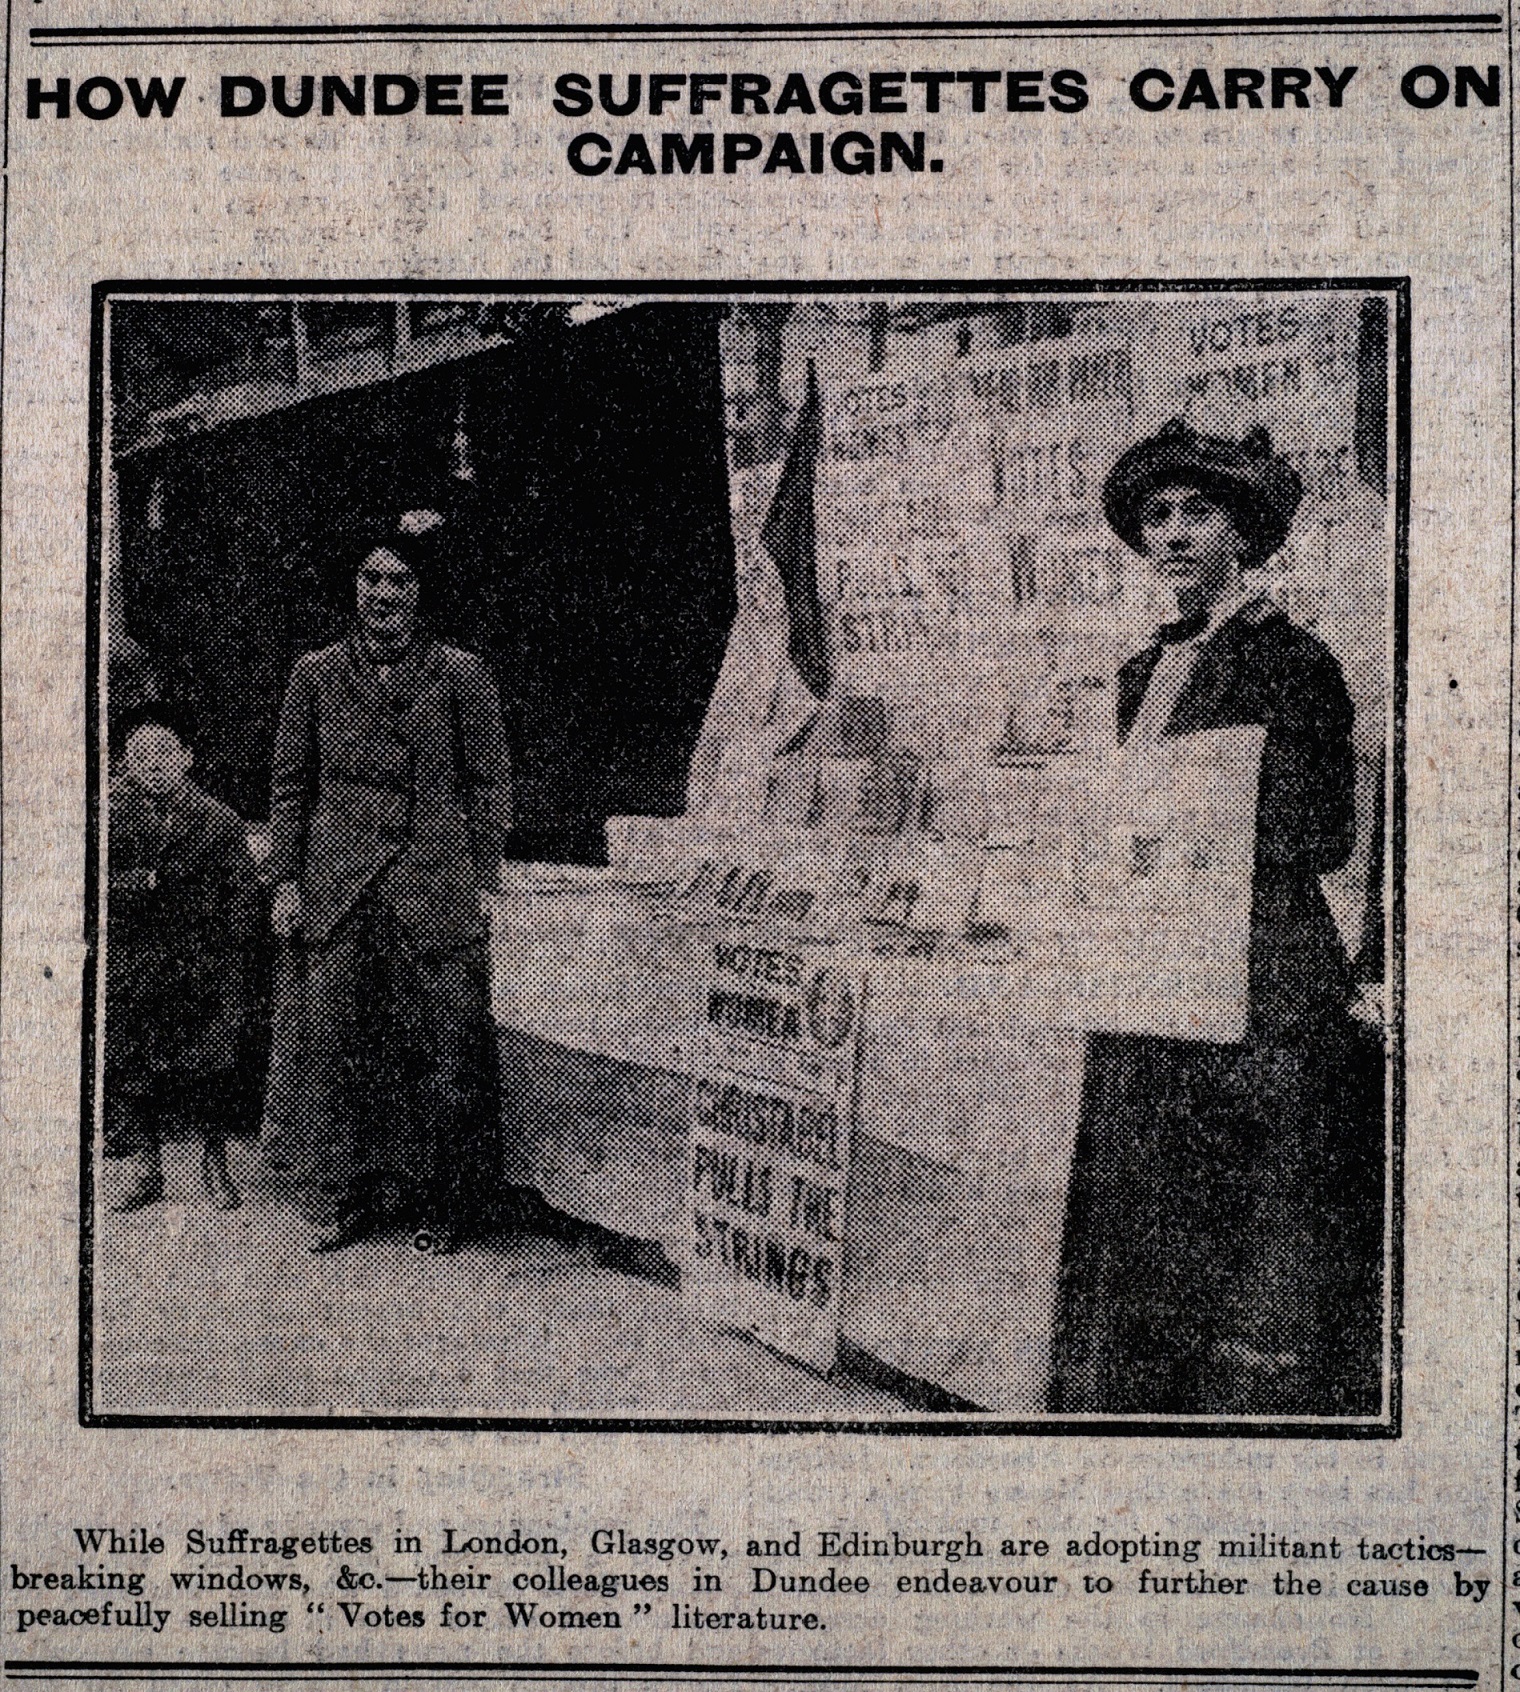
[(180, 917)]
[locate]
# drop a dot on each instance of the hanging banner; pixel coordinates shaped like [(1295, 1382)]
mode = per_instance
[(768, 1149)]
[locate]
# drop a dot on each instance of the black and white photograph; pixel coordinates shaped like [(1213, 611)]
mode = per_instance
[(737, 856)]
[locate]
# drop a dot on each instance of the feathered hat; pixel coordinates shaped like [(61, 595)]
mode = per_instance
[(1258, 487)]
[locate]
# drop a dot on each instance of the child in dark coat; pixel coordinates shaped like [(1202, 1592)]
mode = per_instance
[(180, 917)]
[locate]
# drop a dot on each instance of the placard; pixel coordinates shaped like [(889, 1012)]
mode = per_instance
[(768, 1151), (1133, 913)]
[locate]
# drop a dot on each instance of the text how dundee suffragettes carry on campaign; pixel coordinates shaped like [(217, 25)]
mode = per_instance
[(460, 1578), (776, 123)]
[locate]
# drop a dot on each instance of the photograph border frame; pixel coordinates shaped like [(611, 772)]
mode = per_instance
[(1387, 1425)]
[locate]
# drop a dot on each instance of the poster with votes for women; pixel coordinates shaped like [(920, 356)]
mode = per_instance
[(768, 1158)]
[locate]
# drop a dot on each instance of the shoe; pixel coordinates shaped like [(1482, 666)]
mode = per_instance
[(436, 1239), (147, 1188), (221, 1194), (1244, 1379), (345, 1231)]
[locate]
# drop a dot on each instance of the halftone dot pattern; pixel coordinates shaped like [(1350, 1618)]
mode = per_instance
[(599, 478)]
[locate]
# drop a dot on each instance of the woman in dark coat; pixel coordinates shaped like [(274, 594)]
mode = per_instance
[(1204, 1262), (180, 916)]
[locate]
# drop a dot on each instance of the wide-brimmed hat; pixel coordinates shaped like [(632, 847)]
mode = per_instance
[(1259, 488)]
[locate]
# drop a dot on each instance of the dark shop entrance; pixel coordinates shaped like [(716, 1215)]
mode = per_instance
[(585, 552)]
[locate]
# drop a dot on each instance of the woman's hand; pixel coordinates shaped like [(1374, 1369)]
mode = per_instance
[(288, 913)]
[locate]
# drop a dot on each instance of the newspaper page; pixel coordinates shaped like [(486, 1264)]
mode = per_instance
[(758, 844)]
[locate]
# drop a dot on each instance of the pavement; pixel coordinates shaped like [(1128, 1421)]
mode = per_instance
[(205, 1312)]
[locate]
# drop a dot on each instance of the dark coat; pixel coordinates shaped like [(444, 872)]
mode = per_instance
[(1260, 668), (180, 917), (1206, 1265), (400, 785)]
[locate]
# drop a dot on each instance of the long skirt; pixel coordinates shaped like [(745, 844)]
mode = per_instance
[(382, 1074), (1224, 1238)]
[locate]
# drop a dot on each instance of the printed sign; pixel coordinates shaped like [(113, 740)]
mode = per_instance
[(768, 1152), (972, 589)]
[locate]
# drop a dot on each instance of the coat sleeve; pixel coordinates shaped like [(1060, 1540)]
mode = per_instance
[(1306, 817), (240, 885), (485, 771), (292, 776), (129, 882)]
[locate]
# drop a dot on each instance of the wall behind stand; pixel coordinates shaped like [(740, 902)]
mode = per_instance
[(587, 551)]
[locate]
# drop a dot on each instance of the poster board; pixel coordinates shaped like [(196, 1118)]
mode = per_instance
[(971, 589), (768, 1151), (1129, 910)]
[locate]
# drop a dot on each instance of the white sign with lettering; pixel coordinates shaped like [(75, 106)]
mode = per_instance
[(768, 1152)]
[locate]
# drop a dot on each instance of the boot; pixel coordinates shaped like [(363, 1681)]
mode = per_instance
[(146, 1184), (1243, 1379), (333, 1229), (221, 1194), (436, 1239)]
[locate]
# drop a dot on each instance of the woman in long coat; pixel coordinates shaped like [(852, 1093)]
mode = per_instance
[(1204, 1268)]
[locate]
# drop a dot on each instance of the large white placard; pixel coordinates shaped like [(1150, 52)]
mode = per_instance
[(768, 1151)]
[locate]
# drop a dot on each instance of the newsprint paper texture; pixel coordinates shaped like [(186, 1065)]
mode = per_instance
[(757, 839)]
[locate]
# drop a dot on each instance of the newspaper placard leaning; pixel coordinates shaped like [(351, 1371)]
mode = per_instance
[(772, 1115)]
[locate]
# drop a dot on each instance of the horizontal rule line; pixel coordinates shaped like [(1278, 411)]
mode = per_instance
[(917, 28), (1263, 32), (717, 287), (1365, 1680)]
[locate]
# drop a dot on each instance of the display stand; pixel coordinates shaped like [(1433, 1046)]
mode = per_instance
[(971, 1052), (951, 825)]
